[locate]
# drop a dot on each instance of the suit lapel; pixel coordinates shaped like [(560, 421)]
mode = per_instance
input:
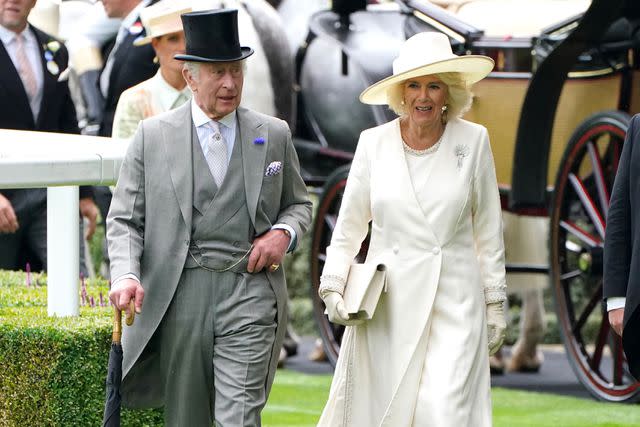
[(10, 79), (253, 156), (49, 80), (177, 136)]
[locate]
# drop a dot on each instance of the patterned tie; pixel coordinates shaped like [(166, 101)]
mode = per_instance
[(24, 68), (216, 154)]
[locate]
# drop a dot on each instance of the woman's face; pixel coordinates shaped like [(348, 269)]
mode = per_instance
[(424, 98), (166, 47)]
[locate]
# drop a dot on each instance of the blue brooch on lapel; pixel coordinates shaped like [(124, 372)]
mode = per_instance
[(462, 151), (274, 168), (259, 141)]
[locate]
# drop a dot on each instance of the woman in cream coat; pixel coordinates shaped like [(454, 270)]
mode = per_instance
[(167, 89), (426, 182)]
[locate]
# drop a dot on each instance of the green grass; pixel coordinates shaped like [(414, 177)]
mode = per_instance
[(528, 409), (297, 400)]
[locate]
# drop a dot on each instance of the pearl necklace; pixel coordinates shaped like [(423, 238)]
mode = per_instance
[(424, 152)]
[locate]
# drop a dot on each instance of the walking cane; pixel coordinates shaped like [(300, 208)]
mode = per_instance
[(113, 399)]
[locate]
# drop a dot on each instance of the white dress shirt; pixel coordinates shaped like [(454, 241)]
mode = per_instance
[(8, 38)]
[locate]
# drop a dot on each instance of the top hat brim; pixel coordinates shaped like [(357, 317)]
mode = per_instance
[(245, 53), (472, 68)]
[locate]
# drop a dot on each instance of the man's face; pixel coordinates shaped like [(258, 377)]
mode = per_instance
[(118, 8), (14, 13), (218, 89)]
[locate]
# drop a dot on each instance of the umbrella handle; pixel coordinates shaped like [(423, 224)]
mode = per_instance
[(117, 321), (128, 319)]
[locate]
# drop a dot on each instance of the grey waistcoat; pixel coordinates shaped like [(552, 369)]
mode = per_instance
[(221, 226)]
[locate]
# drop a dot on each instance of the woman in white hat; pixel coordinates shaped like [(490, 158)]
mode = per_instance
[(426, 181), (167, 89)]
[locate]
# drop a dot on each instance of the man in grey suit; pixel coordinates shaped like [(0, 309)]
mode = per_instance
[(208, 201)]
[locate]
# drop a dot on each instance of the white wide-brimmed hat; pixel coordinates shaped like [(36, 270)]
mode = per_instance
[(424, 54), (160, 19)]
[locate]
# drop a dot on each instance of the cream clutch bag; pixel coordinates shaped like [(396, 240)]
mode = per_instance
[(365, 284)]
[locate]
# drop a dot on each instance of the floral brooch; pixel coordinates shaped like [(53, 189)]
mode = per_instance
[(50, 50), (461, 152)]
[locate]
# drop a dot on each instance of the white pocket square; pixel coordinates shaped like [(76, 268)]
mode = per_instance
[(274, 168)]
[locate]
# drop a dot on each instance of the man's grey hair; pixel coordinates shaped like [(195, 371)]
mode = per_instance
[(193, 68)]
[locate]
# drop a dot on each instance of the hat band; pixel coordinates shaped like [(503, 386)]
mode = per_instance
[(219, 54), (158, 30)]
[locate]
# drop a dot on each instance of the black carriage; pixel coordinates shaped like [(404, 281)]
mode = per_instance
[(557, 107)]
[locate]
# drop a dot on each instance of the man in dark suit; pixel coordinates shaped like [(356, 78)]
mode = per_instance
[(33, 97), (125, 65), (622, 250)]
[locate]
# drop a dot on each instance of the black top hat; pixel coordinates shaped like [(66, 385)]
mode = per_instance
[(212, 36)]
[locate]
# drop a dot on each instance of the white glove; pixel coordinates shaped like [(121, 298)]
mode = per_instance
[(496, 326), (336, 311)]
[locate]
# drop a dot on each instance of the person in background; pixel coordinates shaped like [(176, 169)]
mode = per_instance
[(208, 201), (34, 95), (426, 181), (621, 276), (167, 89)]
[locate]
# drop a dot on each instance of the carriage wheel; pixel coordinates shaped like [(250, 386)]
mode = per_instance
[(579, 207), (323, 226)]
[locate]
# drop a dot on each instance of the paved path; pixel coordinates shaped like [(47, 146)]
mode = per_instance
[(555, 376)]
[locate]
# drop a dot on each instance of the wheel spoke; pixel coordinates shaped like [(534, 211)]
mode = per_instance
[(331, 221), (583, 235), (618, 359), (593, 302), (598, 175), (601, 341), (570, 275), (587, 203)]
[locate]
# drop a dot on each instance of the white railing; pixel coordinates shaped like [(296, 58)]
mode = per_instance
[(60, 162)]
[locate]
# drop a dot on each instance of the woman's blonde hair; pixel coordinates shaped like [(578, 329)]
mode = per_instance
[(459, 96)]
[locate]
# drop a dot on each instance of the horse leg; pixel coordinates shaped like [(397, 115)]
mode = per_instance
[(525, 356)]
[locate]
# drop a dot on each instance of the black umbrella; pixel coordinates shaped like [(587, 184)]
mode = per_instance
[(113, 399)]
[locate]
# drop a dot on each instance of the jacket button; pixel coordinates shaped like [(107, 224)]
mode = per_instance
[(435, 250), (396, 249)]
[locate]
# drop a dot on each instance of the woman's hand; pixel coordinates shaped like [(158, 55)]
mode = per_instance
[(336, 311), (496, 326)]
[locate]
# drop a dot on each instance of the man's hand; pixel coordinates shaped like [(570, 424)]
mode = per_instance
[(123, 292), (8, 219), (336, 311), (268, 251), (616, 318), (89, 210), (496, 326)]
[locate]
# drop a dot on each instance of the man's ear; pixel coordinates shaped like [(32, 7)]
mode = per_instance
[(186, 74)]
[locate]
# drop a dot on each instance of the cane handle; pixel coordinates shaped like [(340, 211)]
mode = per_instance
[(128, 318)]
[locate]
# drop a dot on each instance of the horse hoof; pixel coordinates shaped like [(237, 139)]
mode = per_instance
[(496, 365), (525, 364)]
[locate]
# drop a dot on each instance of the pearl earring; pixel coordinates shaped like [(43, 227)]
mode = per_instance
[(444, 108), (402, 102)]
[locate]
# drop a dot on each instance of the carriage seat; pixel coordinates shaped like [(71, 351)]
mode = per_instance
[(515, 18)]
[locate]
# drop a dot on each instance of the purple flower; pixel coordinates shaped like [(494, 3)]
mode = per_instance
[(28, 270), (259, 141)]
